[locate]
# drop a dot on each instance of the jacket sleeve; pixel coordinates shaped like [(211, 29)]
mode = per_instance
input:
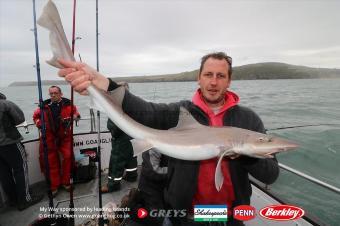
[(265, 170), (114, 130), (154, 115), (36, 117), (152, 166), (76, 112), (16, 114)]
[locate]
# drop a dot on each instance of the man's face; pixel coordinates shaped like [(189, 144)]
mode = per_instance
[(214, 81), (55, 94)]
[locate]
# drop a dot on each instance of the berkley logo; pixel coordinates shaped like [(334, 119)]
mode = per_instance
[(244, 212), (282, 212)]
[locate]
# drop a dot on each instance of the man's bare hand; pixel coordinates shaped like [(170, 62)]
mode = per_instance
[(81, 76)]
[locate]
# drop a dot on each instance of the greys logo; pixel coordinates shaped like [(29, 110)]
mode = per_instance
[(167, 213)]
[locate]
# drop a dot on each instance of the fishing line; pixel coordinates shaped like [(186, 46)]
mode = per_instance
[(301, 126)]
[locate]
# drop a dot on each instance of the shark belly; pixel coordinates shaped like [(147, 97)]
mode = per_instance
[(187, 152)]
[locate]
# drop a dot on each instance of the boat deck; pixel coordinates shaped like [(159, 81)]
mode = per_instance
[(259, 199), (85, 195)]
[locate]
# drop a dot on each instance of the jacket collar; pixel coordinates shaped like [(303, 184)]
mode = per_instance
[(231, 99), (64, 101)]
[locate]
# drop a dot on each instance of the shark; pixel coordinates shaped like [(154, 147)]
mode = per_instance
[(189, 140)]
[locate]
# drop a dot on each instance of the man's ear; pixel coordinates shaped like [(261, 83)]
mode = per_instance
[(198, 79), (229, 82)]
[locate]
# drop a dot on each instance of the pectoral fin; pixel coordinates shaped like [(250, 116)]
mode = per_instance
[(218, 172), (268, 156), (139, 146), (218, 175)]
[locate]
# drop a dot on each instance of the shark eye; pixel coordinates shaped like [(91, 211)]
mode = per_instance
[(265, 139)]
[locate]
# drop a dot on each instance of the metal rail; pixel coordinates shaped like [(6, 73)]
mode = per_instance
[(310, 178), (26, 124)]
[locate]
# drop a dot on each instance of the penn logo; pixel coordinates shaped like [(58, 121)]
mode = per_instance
[(142, 213), (244, 212), (282, 212)]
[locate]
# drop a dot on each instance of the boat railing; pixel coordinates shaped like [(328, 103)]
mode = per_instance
[(310, 178), (25, 125), (302, 175), (314, 180)]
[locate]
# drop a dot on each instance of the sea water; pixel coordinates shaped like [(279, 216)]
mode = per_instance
[(279, 103)]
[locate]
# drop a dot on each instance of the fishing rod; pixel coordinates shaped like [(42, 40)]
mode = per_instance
[(100, 219), (71, 205), (42, 117), (301, 126), (92, 117)]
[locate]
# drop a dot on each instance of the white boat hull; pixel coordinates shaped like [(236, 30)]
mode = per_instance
[(81, 141)]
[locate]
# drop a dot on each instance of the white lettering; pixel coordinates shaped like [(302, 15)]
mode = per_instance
[(244, 212), (284, 212)]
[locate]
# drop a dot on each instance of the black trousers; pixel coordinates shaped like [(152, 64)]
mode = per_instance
[(121, 159), (14, 172)]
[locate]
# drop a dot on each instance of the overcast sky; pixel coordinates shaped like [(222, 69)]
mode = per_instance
[(148, 37)]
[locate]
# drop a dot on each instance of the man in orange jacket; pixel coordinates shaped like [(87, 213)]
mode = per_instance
[(57, 111)]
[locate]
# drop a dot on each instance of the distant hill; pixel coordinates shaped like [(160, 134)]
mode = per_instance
[(34, 83), (268, 70), (273, 70)]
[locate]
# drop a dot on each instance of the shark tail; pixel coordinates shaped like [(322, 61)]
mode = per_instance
[(50, 19)]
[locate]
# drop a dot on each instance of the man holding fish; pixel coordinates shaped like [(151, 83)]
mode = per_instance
[(191, 180)]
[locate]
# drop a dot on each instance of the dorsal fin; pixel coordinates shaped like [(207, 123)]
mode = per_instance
[(186, 120)]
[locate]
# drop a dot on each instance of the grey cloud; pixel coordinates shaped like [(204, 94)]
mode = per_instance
[(159, 37)]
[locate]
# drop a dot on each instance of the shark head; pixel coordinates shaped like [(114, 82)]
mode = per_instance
[(264, 146)]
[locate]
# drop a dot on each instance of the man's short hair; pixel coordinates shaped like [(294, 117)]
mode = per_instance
[(56, 87), (218, 56), (2, 96)]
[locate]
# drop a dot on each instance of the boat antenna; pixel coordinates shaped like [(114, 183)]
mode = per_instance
[(71, 205), (42, 117), (97, 34), (100, 219)]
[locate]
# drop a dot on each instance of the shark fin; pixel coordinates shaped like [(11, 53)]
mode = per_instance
[(269, 155), (139, 146), (218, 175), (50, 20), (186, 120), (218, 172), (116, 96)]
